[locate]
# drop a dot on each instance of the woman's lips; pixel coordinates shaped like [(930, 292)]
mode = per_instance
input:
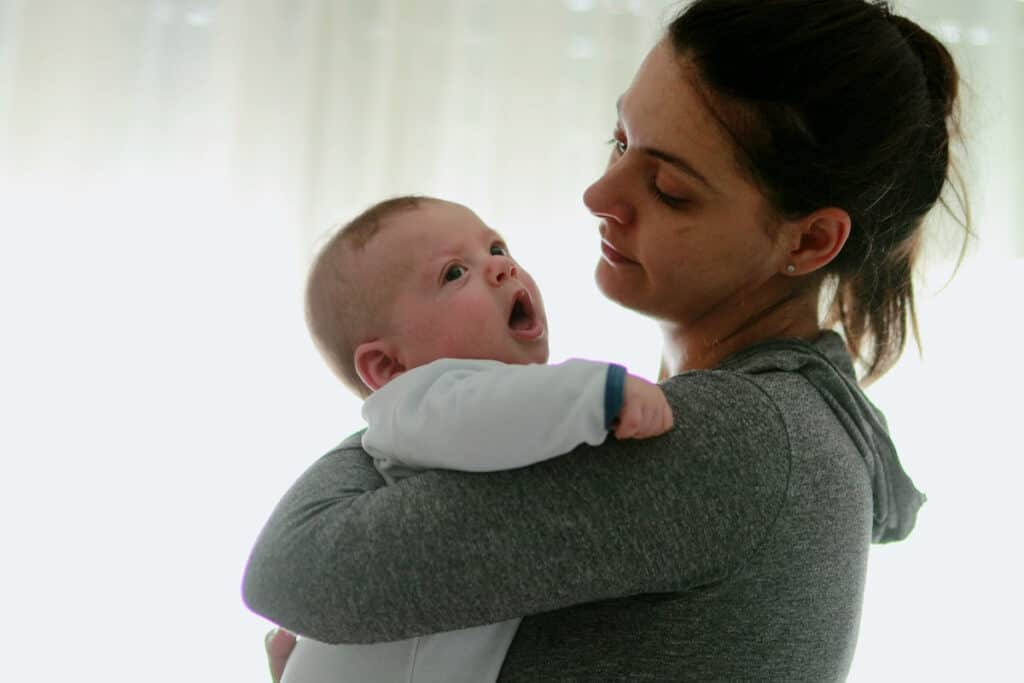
[(613, 256)]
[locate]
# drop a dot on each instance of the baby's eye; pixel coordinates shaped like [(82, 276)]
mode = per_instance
[(453, 273), (499, 250)]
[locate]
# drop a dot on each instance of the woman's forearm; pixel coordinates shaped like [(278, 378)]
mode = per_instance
[(285, 574), (345, 559)]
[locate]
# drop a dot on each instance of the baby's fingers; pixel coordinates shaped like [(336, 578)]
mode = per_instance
[(661, 420), (648, 421), (666, 417), (625, 426), (625, 432), (653, 421)]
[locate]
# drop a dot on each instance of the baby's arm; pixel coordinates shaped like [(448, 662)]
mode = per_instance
[(480, 415)]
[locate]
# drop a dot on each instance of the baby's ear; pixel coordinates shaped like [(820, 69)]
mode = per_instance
[(377, 363)]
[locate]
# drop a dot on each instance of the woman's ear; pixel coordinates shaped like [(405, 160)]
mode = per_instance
[(377, 363), (817, 239)]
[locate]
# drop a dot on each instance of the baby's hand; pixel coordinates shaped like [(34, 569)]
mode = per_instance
[(645, 411)]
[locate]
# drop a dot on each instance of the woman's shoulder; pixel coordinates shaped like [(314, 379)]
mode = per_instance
[(763, 395), (770, 377), (726, 396), (725, 419)]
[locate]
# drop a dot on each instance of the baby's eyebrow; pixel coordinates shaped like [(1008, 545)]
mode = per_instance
[(497, 237), (438, 258), (425, 268)]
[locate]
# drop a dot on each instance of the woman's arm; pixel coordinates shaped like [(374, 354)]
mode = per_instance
[(344, 560)]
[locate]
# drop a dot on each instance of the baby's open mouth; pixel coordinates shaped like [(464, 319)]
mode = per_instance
[(522, 315)]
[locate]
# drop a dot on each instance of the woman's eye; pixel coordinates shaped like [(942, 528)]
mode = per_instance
[(618, 145), (618, 141), (667, 199), (454, 273), (499, 250)]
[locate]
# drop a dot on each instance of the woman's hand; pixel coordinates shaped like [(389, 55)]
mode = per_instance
[(279, 644)]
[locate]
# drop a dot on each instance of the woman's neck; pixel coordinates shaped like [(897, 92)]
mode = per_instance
[(705, 345)]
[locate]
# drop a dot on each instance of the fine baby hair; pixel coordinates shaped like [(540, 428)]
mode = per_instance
[(341, 311)]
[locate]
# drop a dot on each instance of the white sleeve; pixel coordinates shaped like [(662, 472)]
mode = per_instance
[(481, 415)]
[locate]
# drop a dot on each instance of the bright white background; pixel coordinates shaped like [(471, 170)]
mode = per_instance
[(166, 168)]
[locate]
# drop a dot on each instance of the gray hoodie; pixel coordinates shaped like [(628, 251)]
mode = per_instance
[(733, 548)]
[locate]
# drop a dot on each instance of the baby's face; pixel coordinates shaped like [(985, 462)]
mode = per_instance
[(461, 294)]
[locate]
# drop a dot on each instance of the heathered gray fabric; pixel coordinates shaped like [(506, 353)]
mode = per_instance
[(732, 548)]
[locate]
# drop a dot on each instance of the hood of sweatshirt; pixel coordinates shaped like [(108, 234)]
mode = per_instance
[(826, 364)]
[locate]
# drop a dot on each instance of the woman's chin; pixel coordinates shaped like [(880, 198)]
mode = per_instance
[(630, 293), (610, 283)]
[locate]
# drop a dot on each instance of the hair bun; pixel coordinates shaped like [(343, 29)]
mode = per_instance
[(939, 70)]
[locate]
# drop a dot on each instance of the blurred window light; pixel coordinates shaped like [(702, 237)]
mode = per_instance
[(163, 12), (581, 47), (199, 17), (639, 7), (949, 31), (580, 6), (979, 35)]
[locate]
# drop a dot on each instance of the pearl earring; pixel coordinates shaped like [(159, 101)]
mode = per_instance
[(790, 269)]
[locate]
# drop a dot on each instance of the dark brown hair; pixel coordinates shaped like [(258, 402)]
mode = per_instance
[(342, 312), (838, 103)]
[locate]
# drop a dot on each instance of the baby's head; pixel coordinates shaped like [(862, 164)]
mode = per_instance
[(415, 279)]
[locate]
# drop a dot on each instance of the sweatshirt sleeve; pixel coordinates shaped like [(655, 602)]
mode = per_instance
[(345, 559), (481, 415)]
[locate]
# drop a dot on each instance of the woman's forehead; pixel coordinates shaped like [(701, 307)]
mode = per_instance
[(664, 110)]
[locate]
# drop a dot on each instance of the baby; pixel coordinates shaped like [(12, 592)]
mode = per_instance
[(418, 306)]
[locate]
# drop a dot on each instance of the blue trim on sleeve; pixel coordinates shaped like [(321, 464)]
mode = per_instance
[(614, 393)]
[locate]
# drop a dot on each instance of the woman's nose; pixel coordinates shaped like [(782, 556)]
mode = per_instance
[(500, 268), (605, 197)]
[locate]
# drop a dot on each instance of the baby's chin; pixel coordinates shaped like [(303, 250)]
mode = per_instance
[(540, 359), (535, 354), (540, 353)]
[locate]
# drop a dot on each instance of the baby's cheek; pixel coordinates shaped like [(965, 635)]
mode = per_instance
[(475, 328), (461, 336)]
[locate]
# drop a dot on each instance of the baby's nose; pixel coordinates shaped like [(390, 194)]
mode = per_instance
[(501, 268)]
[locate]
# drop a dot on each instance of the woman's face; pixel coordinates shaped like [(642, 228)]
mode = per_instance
[(684, 233)]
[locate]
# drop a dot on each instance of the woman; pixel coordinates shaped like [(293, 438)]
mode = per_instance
[(767, 151)]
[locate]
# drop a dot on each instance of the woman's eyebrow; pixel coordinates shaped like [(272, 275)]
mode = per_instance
[(680, 164), (676, 161)]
